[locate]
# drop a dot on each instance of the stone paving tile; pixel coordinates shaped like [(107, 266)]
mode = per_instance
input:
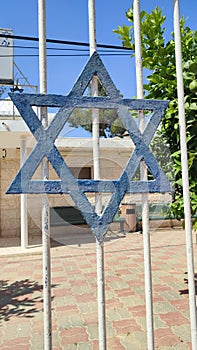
[(166, 337), (134, 341), (74, 335), (74, 294), (182, 331), (126, 326), (174, 319)]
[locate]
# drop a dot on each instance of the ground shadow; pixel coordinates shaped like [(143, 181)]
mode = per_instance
[(16, 299), (186, 291)]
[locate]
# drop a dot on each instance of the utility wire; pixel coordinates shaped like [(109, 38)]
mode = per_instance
[(63, 42), (62, 49), (65, 55)]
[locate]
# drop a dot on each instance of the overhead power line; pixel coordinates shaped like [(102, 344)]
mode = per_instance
[(65, 55), (64, 42), (64, 49)]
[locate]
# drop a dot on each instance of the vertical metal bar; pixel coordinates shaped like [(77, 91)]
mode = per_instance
[(45, 174), (98, 204), (24, 222), (101, 294), (143, 176), (94, 91), (42, 45), (46, 277), (185, 176)]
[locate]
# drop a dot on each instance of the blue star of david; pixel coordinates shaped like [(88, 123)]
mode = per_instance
[(45, 146)]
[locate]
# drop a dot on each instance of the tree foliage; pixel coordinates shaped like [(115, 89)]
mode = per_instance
[(107, 117), (158, 56)]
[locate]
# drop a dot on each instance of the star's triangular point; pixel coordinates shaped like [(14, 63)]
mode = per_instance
[(94, 67)]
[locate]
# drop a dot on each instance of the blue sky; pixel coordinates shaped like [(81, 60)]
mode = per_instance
[(68, 20)]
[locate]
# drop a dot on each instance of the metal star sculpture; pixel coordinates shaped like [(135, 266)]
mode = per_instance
[(67, 183)]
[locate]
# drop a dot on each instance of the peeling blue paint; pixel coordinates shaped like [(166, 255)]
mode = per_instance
[(45, 146)]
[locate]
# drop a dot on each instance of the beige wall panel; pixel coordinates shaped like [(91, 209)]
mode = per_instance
[(113, 160)]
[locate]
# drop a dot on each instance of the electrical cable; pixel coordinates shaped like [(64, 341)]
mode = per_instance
[(64, 42), (61, 49), (65, 55)]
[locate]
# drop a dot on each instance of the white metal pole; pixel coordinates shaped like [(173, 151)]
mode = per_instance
[(98, 204), (42, 46), (24, 221), (101, 295), (143, 176), (185, 176), (94, 91), (45, 174)]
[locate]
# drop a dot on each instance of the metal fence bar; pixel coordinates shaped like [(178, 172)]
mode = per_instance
[(143, 176), (45, 173), (98, 203), (185, 176), (24, 218)]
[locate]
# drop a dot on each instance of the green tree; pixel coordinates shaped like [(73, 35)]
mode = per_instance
[(107, 117), (159, 61)]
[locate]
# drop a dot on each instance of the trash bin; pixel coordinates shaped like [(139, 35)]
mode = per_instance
[(129, 213)]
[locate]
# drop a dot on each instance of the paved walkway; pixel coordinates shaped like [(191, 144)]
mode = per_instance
[(74, 306)]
